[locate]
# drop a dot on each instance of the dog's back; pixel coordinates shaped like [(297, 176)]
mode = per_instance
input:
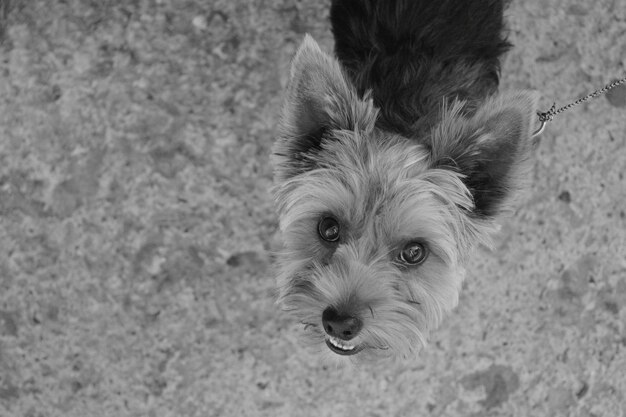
[(413, 53)]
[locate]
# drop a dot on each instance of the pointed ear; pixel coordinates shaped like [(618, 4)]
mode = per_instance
[(491, 149), (319, 99)]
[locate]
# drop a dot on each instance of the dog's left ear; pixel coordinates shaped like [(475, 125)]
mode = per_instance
[(319, 99), (490, 149)]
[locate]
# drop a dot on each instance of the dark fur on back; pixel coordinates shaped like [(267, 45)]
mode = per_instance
[(414, 53)]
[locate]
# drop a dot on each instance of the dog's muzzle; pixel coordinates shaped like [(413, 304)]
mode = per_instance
[(340, 329)]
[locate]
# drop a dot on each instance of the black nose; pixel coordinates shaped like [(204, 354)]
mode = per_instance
[(341, 326)]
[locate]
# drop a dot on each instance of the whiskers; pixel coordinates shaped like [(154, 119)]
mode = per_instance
[(308, 325)]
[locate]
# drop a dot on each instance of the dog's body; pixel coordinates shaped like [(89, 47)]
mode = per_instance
[(392, 164)]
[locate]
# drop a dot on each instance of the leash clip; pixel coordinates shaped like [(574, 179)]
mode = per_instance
[(544, 118)]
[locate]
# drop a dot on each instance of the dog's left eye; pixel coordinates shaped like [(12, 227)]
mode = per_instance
[(328, 228), (414, 253)]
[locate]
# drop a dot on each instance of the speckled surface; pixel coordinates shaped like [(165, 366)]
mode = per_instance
[(136, 224)]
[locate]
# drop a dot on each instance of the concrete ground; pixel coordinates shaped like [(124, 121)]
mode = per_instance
[(136, 224)]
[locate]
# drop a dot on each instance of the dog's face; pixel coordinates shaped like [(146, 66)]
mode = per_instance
[(377, 227)]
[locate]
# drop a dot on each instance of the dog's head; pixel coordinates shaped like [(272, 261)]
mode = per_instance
[(377, 227)]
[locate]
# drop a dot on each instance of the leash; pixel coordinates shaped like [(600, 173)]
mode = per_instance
[(545, 117)]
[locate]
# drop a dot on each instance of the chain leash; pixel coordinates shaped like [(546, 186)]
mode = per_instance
[(545, 117)]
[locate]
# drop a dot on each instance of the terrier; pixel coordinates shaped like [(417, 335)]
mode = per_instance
[(392, 164)]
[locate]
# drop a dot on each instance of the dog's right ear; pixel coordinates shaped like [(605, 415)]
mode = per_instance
[(319, 99)]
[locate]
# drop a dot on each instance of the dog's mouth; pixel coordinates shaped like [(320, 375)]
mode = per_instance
[(341, 347)]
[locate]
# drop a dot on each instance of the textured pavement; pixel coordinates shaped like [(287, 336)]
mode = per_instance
[(136, 225)]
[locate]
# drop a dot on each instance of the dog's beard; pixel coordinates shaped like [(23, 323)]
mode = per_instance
[(396, 309)]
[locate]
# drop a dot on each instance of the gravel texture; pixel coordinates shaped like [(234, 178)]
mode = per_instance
[(136, 224)]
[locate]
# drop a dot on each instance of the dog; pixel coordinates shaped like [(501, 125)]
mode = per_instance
[(394, 160)]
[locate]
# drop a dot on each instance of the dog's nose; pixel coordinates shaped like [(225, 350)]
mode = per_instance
[(341, 326)]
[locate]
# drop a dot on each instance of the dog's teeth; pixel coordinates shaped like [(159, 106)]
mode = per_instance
[(340, 345)]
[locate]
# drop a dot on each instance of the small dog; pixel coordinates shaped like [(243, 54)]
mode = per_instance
[(393, 162)]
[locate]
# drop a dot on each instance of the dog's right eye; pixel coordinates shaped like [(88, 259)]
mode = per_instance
[(328, 229)]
